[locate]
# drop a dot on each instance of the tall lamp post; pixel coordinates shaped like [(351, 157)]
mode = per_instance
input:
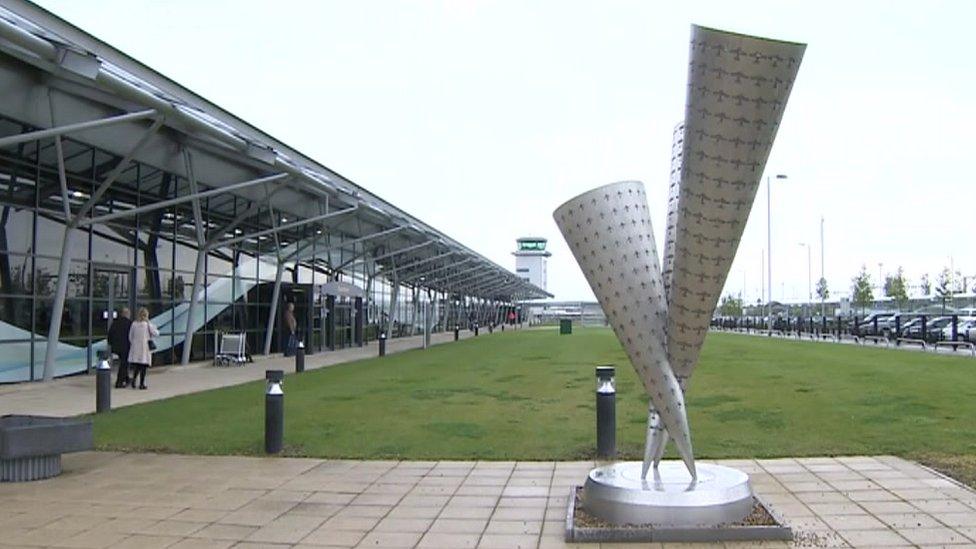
[(809, 280), (822, 304), (769, 247)]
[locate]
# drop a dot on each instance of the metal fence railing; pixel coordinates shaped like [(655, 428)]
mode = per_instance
[(890, 329)]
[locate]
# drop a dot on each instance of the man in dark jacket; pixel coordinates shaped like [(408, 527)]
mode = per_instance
[(118, 342)]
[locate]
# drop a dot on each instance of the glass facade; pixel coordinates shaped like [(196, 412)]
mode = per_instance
[(143, 260)]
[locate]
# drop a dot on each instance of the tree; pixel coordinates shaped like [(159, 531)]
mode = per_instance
[(861, 293), (895, 288), (943, 287), (925, 285), (889, 283), (731, 306), (823, 292)]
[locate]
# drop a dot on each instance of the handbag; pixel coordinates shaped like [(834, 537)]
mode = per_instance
[(151, 343)]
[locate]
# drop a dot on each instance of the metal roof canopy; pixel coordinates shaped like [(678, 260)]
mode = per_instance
[(63, 83)]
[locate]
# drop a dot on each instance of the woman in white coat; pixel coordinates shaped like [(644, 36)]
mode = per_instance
[(140, 355)]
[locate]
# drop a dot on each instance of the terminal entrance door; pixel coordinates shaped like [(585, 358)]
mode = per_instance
[(301, 296), (343, 321), (112, 287)]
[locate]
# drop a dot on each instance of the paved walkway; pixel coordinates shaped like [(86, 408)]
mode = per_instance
[(75, 395), (148, 500)]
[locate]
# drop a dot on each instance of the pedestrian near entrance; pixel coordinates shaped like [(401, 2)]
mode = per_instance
[(291, 342), (141, 346), (118, 343)]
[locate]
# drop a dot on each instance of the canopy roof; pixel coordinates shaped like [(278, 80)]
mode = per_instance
[(129, 133)]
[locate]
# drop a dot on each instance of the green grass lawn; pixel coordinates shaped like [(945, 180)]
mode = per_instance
[(529, 395)]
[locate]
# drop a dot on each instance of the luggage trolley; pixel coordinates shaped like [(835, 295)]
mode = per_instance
[(232, 350)]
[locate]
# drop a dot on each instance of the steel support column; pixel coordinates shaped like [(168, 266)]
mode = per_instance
[(275, 298), (394, 295), (415, 303), (191, 308), (201, 258), (54, 328)]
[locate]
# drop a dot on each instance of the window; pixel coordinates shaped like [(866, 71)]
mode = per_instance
[(532, 245)]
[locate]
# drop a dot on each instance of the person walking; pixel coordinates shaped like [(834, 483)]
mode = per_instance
[(141, 346), (118, 343), (291, 323)]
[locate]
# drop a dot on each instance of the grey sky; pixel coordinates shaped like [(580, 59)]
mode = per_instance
[(482, 117)]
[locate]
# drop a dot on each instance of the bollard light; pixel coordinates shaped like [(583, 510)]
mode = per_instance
[(382, 341), (606, 412), (606, 379), (274, 411), (457, 332), (300, 357), (103, 385)]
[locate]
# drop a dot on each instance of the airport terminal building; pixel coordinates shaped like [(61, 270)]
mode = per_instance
[(119, 187)]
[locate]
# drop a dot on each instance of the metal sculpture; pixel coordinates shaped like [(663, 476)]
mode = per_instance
[(738, 87), (609, 232)]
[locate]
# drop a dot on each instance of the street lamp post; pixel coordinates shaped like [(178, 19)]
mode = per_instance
[(809, 279), (769, 247), (822, 304)]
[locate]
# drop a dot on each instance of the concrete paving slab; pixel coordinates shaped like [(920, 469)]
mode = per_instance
[(146, 500)]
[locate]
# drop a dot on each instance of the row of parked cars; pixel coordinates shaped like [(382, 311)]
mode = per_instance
[(909, 325)]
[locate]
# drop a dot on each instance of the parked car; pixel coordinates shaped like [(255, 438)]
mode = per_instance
[(867, 326), (933, 330), (894, 324), (913, 329), (963, 325)]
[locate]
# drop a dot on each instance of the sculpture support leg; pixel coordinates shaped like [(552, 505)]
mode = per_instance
[(662, 444), (655, 430), (656, 441)]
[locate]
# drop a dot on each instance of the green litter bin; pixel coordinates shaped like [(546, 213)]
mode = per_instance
[(565, 326)]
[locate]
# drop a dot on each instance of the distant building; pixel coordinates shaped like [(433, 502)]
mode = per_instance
[(530, 260), (586, 313)]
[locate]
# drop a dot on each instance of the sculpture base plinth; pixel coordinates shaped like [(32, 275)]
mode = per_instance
[(667, 498)]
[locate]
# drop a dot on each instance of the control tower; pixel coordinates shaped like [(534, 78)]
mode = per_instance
[(530, 260)]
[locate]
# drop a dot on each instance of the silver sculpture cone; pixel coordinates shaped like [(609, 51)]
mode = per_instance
[(738, 87), (609, 232), (674, 190)]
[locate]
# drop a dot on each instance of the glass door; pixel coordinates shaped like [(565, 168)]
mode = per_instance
[(111, 291)]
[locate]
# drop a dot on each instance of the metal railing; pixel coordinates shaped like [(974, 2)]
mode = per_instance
[(929, 332)]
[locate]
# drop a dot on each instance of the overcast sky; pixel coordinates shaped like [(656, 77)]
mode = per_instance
[(481, 117)]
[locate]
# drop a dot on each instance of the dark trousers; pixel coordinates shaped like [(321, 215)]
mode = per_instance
[(139, 370), (123, 376), (291, 344)]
